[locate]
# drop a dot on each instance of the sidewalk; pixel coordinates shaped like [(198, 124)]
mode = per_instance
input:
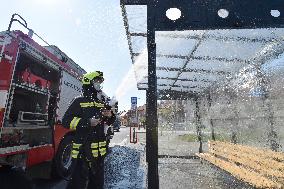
[(180, 173), (184, 172)]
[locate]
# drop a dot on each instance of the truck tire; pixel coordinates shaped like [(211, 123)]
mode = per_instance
[(63, 164)]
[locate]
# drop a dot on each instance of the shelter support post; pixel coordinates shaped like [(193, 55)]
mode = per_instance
[(231, 100), (209, 99), (198, 123), (272, 134), (235, 124), (235, 119), (265, 88), (151, 99)]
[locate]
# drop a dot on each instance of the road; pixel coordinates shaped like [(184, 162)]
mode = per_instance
[(120, 138)]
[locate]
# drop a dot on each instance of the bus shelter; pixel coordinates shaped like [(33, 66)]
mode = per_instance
[(211, 70)]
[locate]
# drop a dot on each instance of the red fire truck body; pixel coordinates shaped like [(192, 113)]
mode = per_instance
[(37, 83)]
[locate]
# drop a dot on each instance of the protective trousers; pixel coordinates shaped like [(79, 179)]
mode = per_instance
[(90, 174), (88, 157)]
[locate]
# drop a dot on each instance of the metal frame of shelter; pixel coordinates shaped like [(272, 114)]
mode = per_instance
[(196, 15)]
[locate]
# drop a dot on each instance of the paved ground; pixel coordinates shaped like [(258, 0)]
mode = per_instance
[(170, 144), (181, 173), (194, 174)]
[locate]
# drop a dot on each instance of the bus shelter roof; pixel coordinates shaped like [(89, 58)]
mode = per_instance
[(193, 62)]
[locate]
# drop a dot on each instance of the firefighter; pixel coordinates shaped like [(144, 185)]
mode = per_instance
[(87, 116)]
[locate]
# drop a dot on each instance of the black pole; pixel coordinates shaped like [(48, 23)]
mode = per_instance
[(235, 123), (211, 120), (151, 99), (265, 86), (198, 123)]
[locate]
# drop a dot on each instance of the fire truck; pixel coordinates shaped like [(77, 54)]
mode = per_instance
[(37, 83)]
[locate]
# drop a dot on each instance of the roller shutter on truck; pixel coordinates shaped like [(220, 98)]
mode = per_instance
[(70, 88)]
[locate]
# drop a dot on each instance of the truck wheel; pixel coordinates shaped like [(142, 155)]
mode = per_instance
[(63, 164)]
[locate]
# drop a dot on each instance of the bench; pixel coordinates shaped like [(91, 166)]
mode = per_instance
[(261, 168)]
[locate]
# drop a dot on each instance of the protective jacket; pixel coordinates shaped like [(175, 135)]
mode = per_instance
[(77, 118)]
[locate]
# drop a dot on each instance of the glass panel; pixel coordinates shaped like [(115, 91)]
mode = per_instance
[(215, 65), (161, 88), (180, 34), (164, 73), (266, 34), (170, 62), (195, 83), (191, 75), (230, 50), (141, 65), (164, 82), (174, 46), (137, 18), (139, 44)]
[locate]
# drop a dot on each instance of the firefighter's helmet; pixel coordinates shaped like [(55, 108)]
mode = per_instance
[(87, 78)]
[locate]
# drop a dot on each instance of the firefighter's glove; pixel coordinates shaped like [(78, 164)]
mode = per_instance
[(95, 121)]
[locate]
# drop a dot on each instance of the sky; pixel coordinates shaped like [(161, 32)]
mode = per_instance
[(88, 31)]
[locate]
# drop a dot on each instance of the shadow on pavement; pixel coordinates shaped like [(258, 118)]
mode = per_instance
[(18, 179), (14, 179), (49, 184)]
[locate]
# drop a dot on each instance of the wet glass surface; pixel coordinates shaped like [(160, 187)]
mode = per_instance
[(236, 79)]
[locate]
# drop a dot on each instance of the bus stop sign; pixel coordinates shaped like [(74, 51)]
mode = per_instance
[(133, 103)]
